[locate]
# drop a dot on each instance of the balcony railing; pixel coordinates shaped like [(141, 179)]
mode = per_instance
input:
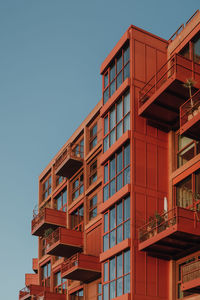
[(171, 235), (53, 238), (69, 263), (175, 64), (70, 160), (188, 112), (190, 279), (23, 292)]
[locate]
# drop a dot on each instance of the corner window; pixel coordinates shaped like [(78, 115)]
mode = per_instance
[(116, 224), (116, 172), (117, 121), (117, 72), (116, 276)]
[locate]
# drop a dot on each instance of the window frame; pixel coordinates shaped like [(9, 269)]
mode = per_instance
[(45, 279), (46, 189), (77, 188), (93, 137), (60, 288), (92, 207), (79, 224), (63, 204), (93, 172)]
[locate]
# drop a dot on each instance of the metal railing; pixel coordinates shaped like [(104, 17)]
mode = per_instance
[(70, 263), (23, 292), (176, 33), (176, 62), (53, 238), (70, 150), (157, 224), (38, 218), (190, 271), (190, 108)]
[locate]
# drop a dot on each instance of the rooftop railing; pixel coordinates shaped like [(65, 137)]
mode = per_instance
[(176, 62), (191, 271), (69, 151), (190, 108)]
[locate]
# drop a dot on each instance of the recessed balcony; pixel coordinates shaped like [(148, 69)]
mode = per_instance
[(161, 97), (171, 235), (190, 117), (48, 218), (81, 267), (31, 292), (64, 242), (190, 279), (69, 161)]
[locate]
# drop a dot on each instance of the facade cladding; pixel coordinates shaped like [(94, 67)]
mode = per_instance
[(118, 213)]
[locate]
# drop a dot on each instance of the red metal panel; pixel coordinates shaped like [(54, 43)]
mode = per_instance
[(139, 61)]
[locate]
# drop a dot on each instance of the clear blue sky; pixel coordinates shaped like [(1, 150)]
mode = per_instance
[(50, 57)]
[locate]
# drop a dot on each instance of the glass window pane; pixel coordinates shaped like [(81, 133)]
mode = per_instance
[(106, 95), (127, 208), (127, 262), (112, 88), (112, 290), (119, 265), (105, 292), (119, 63), (105, 268), (119, 162), (126, 155), (119, 213), (106, 79), (112, 218), (119, 130), (119, 286), (112, 137), (105, 193), (105, 242), (119, 181), (112, 72), (127, 229), (119, 110), (105, 125), (127, 71), (106, 144), (127, 284), (184, 192), (112, 118), (106, 222), (105, 173), (126, 103), (112, 269), (197, 50), (112, 168), (119, 234), (112, 187), (127, 175), (126, 55), (119, 79), (112, 238), (65, 197), (127, 123)]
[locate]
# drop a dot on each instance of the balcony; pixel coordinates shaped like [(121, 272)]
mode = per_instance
[(190, 281), (69, 161), (161, 97), (48, 218), (31, 292), (46, 295), (31, 279), (190, 117), (81, 267), (171, 235), (64, 242)]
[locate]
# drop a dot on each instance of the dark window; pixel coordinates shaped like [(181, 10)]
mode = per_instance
[(118, 71), (196, 49), (117, 121), (116, 172)]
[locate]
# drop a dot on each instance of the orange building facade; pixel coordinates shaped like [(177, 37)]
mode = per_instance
[(119, 205)]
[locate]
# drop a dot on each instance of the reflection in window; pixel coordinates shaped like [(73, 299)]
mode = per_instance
[(93, 172), (61, 201), (116, 276), (184, 193), (93, 136), (78, 295), (187, 149), (118, 227), (60, 284), (93, 207), (77, 187), (117, 172), (77, 218), (196, 49), (45, 274), (46, 188)]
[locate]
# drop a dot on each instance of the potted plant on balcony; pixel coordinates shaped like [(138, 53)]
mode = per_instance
[(160, 221), (189, 84), (151, 226)]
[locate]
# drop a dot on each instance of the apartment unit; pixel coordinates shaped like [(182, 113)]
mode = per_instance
[(118, 212)]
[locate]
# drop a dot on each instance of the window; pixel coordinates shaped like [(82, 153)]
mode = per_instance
[(77, 187), (78, 149), (116, 172), (43, 246), (117, 121), (59, 179), (45, 274), (117, 72), (186, 149), (93, 136), (93, 207), (78, 295), (77, 218), (46, 188), (117, 224), (116, 276), (188, 192), (61, 201), (93, 172), (196, 49), (60, 284), (99, 297)]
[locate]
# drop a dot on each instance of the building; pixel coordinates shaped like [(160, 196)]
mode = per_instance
[(118, 213)]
